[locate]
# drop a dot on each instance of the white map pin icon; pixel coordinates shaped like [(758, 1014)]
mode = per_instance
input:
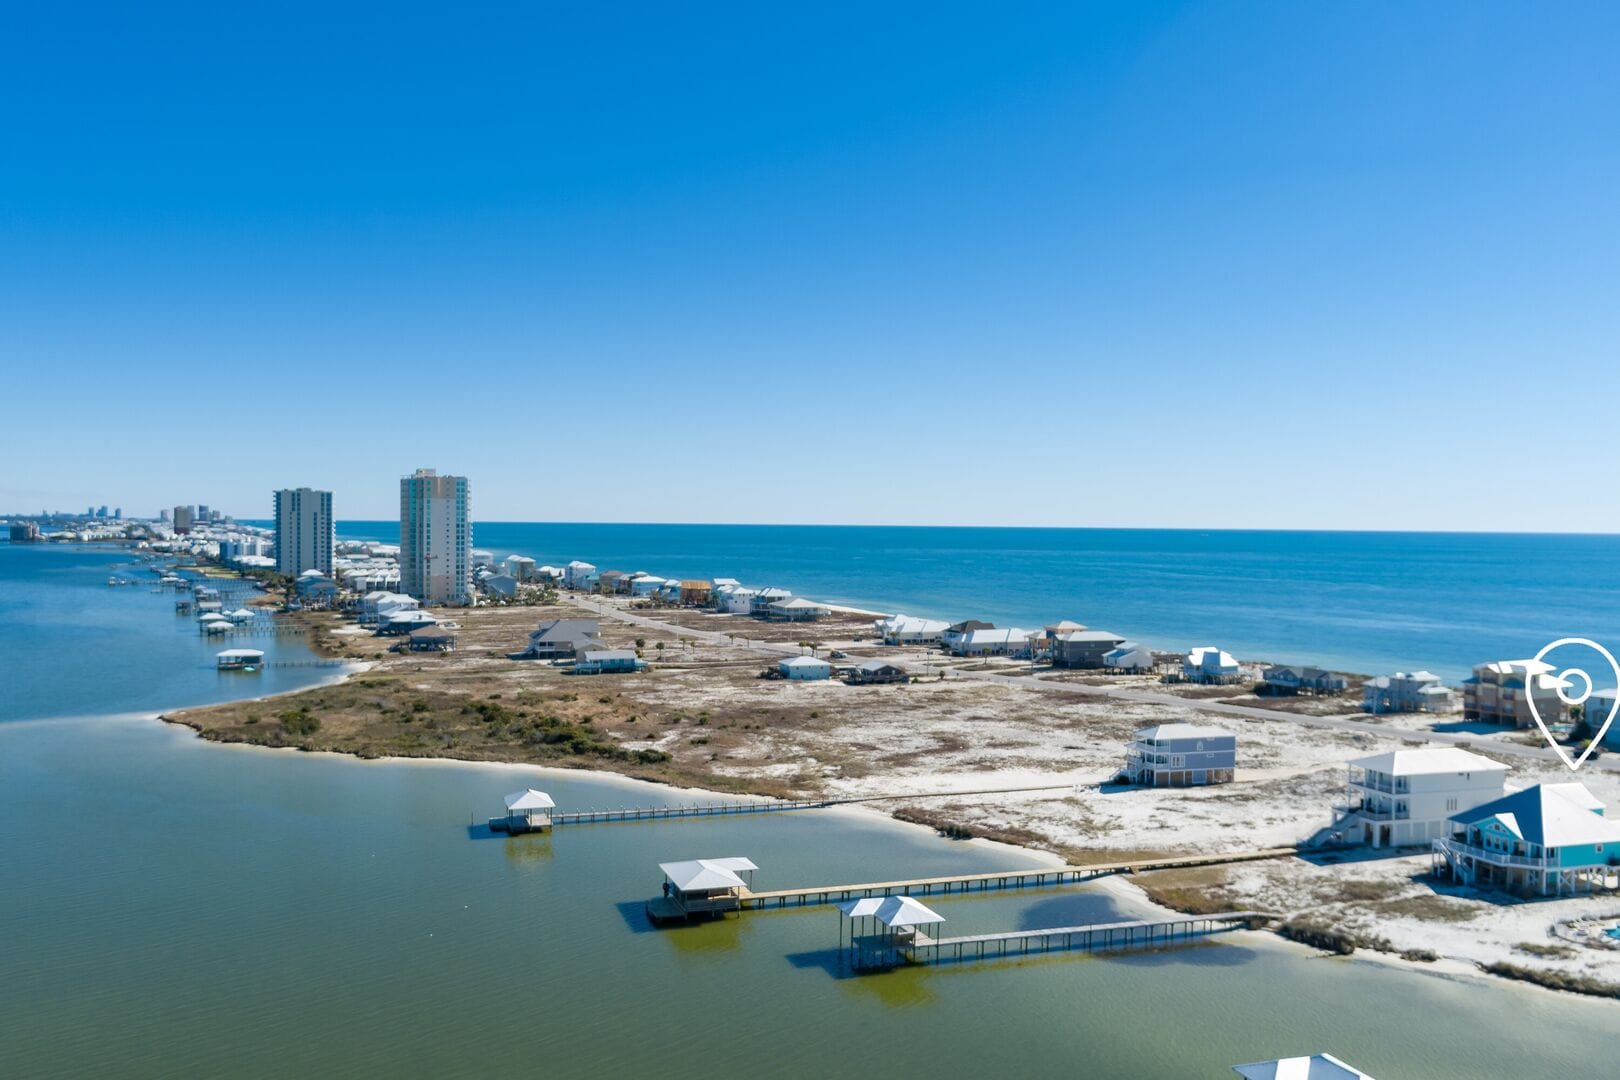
[(1537, 669)]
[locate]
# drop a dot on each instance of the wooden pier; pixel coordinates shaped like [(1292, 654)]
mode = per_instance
[(663, 813), (993, 881), (1096, 937)]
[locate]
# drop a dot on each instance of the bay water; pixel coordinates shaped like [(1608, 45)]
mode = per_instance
[(174, 907)]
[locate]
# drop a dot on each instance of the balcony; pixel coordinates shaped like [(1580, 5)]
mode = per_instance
[(1459, 848)]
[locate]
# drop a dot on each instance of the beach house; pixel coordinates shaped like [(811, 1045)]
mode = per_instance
[(520, 567), (1180, 755), (559, 639), (910, 630), (796, 609), (1496, 694), (759, 606), (608, 662), (503, 586), (1008, 641), (1599, 705), (646, 585), (1421, 691), (1083, 648), (696, 592), (804, 668), (430, 639), (953, 634), (1209, 665), (1287, 680), (1129, 657), (877, 672), (579, 575), (401, 623), (1405, 797), (1547, 840)]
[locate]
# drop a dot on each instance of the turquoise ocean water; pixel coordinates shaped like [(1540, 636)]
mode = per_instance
[(1364, 602)]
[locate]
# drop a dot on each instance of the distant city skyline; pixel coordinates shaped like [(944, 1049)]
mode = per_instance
[(1140, 265)]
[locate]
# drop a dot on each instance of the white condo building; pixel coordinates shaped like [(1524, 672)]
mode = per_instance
[(1404, 797), (435, 538), (304, 531)]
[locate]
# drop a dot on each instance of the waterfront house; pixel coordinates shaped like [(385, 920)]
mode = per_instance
[(954, 633), (1599, 704), (1010, 641), (431, 639), (611, 582), (760, 605), (910, 630), (1129, 657), (1405, 797), (1181, 755), (1084, 648), (1547, 840), (699, 888), (521, 567), (1315, 1067), (1421, 691), (804, 668), (797, 609), (1496, 694), (579, 575), (1209, 665), (696, 592), (646, 585), (561, 639), (378, 605), (1289, 680), (608, 662), (551, 575), (877, 672)]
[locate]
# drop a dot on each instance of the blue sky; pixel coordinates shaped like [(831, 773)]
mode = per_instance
[(1206, 265)]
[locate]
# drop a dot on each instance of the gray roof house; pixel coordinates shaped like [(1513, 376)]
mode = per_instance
[(559, 639), (1084, 648)]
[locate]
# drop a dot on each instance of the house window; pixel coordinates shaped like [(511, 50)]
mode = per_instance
[(1451, 804)]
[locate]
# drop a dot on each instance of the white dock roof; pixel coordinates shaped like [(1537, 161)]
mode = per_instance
[(529, 799), (1315, 1067), (695, 875)]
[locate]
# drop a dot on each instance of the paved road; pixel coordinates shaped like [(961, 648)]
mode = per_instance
[(1352, 724)]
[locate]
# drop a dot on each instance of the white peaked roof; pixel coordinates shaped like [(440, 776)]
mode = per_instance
[(1209, 655), (992, 635), (702, 875), (242, 654), (1315, 1067), (797, 603), (896, 912), (311, 573), (216, 627), (1427, 761), (529, 799), (911, 624), (805, 662)]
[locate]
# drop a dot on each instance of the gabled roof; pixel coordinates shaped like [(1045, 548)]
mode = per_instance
[(704, 875), (895, 912), (1091, 636), (1428, 761), (878, 665), (798, 603), (1552, 815)]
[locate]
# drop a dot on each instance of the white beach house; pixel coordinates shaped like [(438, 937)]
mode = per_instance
[(1420, 691), (910, 630), (795, 609), (1008, 641), (1129, 656), (1181, 755), (579, 575), (1405, 797), (1207, 664), (804, 668)]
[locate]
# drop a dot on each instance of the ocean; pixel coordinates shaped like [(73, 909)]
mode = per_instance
[(1353, 601)]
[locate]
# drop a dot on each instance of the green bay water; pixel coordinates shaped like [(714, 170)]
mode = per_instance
[(174, 907)]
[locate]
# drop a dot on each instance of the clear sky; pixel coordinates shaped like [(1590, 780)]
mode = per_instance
[(1243, 264)]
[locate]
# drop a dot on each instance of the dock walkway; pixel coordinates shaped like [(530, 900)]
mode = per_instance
[(995, 880), (1142, 934)]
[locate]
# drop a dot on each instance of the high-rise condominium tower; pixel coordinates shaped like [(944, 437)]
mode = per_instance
[(435, 538), (304, 531)]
